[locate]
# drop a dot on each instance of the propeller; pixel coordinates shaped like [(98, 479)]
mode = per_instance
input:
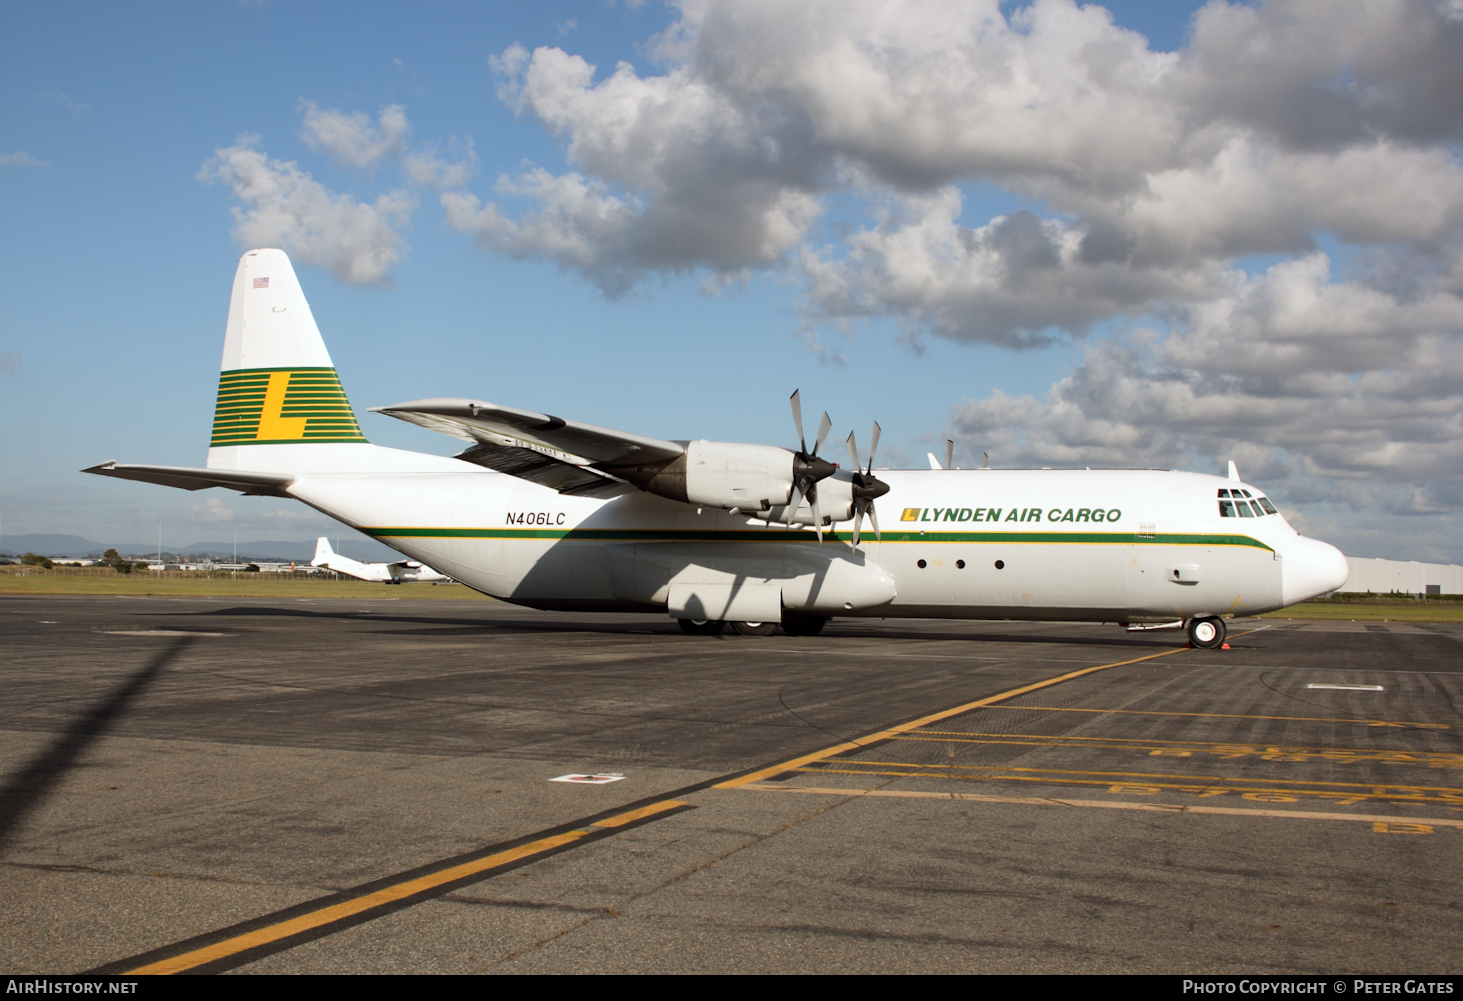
[(866, 488), (807, 468)]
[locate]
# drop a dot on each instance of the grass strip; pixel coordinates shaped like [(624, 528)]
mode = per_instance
[(253, 586)]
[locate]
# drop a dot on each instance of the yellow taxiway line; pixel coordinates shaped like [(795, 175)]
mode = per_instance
[(762, 774), (1291, 719), (1228, 811), (331, 913), (393, 893)]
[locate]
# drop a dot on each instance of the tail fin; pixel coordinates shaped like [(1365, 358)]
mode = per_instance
[(323, 552), (279, 398)]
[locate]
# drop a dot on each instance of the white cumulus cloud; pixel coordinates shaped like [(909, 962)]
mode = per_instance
[(282, 206), (352, 138), (20, 160), (1324, 391)]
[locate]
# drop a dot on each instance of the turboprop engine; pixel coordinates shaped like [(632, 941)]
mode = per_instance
[(835, 503), (725, 474), (840, 497), (764, 481), (738, 477)]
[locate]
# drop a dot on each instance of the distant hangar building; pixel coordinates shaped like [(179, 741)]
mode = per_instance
[(1389, 576)]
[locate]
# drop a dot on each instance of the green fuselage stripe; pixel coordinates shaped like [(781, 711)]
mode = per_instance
[(779, 535)]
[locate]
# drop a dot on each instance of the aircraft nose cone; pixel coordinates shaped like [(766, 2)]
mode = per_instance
[(1310, 568)]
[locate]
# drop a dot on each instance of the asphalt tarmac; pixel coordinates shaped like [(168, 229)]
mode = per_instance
[(312, 786)]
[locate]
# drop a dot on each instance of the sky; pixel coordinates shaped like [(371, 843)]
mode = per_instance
[(1140, 235)]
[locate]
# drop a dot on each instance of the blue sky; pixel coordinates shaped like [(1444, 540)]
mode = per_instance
[(117, 260)]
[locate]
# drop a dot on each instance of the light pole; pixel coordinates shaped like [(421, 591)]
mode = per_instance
[(159, 548)]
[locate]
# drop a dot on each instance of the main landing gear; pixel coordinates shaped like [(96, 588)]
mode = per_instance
[(793, 625), (1207, 632), (755, 628)]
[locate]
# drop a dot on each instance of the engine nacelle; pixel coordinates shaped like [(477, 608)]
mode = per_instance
[(722, 474), (835, 502)]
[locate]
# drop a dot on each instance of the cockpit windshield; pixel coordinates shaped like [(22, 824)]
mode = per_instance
[(1239, 503)]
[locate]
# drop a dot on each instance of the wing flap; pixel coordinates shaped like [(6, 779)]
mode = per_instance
[(489, 423), (545, 470), (252, 484)]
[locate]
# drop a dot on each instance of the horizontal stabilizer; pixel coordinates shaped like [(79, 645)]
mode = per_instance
[(568, 441), (250, 484)]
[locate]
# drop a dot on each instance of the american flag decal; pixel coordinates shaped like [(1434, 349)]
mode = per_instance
[(261, 283)]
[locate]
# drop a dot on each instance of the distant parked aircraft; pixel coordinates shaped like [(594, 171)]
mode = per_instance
[(387, 573)]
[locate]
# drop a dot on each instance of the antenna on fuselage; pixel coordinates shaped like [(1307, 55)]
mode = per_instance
[(985, 461), (1233, 471)]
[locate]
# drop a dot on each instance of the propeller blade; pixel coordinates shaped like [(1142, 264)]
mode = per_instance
[(853, 451), (949, 454), (873, 446), (874, 520), (797, 419), (794, 501), (858, 519), (817, 519), (823, 429)]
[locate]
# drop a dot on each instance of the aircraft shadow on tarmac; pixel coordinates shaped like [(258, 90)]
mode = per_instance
[(917, 632), (27, 788)]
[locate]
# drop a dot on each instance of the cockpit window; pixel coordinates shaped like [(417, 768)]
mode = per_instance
[(1237, 507)]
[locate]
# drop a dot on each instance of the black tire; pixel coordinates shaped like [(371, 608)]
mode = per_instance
[(803, 625), (1207, 633), (701, 627), (755, 628)]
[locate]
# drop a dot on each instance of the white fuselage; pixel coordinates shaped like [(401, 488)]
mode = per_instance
[(384, 573), (1098, 545)]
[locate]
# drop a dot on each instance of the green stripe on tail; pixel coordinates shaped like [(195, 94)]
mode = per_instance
[(282, 406)]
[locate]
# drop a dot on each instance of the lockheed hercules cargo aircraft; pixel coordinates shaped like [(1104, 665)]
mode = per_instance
[(556, 514)]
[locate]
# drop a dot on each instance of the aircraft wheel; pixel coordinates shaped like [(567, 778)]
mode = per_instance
[(1207, 633), (803, 625), (701, 627), (755, 628)]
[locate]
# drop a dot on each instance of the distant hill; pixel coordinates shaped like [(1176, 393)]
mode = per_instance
[(272, 550)]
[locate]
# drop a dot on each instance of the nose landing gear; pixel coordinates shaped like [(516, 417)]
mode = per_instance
[(1207, 632)]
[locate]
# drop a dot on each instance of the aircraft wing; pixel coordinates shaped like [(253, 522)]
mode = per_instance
[(568, 441), (250, 484), (545, 470)]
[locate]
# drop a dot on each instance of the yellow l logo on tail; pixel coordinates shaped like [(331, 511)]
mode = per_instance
[(272, 425), (253, 403)]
